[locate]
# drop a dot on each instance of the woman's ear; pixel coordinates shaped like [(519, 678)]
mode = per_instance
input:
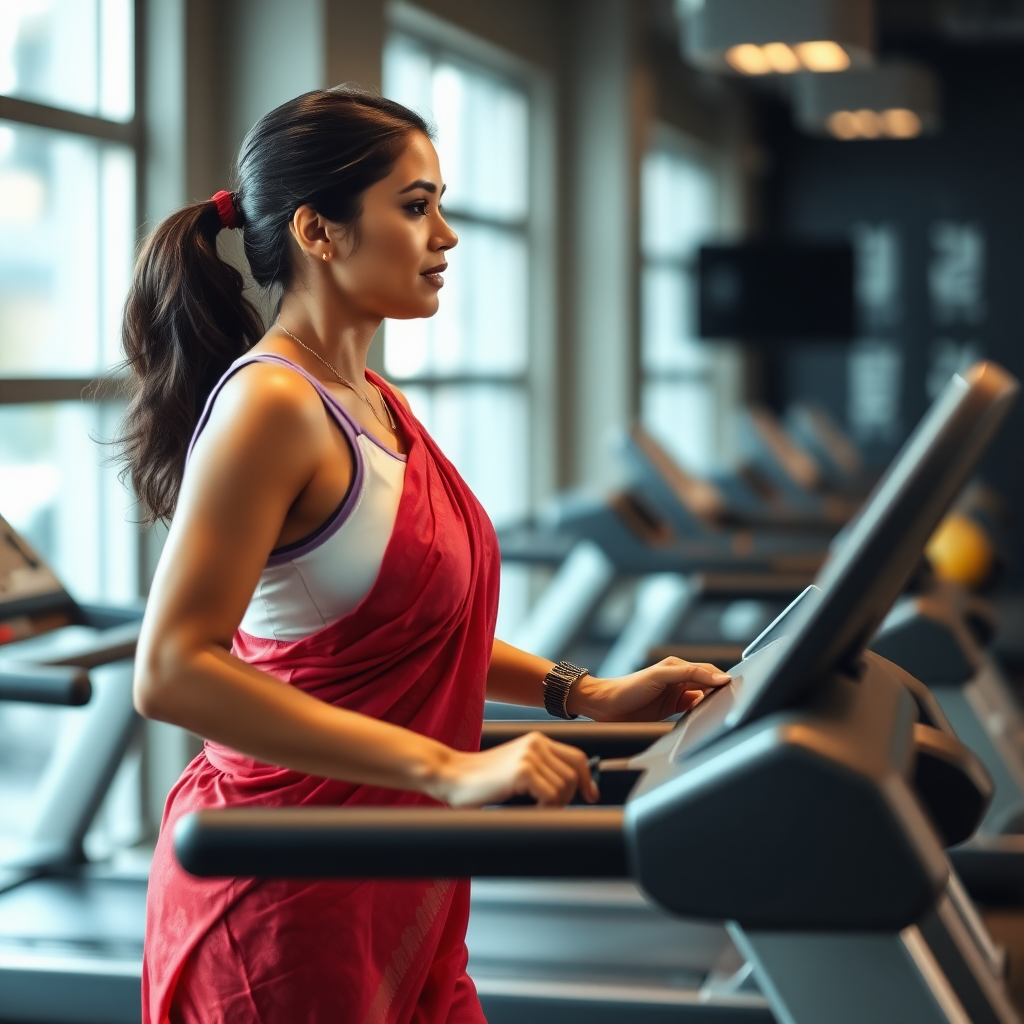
[(312, 233)]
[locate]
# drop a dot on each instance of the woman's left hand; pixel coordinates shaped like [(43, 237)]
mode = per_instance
[(653, 693)]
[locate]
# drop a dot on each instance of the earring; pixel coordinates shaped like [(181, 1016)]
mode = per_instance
[(327, 255)]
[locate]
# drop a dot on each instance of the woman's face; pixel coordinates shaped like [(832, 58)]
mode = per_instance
[(392, 264)]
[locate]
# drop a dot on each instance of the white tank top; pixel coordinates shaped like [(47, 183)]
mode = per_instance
[(315, 581)]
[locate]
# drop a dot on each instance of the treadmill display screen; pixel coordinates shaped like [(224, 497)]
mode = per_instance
[(828, 628)]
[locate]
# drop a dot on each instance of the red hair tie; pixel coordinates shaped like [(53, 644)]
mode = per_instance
[(226, 209)]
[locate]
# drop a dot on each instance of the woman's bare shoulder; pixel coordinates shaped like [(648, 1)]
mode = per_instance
[(269, 392), (267, 411)]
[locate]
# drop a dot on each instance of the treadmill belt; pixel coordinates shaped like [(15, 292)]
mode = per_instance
[(71, 951)]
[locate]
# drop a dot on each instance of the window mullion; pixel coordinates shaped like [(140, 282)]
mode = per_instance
[(41, 115), (30, 390)]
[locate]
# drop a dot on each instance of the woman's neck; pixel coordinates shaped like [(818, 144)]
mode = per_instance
[(333, 332)]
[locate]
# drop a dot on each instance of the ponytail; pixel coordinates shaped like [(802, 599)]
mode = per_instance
[(185, 319), (185, 322)]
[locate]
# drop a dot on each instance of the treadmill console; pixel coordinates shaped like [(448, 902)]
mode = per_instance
[(827, 627), (809, 721), (31, 597), (48, 642), (720, 711)]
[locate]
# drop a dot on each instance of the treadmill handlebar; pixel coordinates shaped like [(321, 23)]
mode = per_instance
[(607, 740), (114, 643), (403, 842), (45, 684)]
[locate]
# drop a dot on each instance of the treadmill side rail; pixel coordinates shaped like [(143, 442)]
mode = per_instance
[(68, 685), (406, 842)]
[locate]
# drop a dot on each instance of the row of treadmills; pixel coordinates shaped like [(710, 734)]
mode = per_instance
[(806, 845)]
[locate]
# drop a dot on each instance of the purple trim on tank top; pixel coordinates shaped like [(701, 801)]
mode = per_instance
[(348, 426)]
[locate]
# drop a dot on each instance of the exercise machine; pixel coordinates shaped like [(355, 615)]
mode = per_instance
[(775, 462), (838, 458), (70, 931), (674, 539), (940, 637), (808, 803), (701, 507)]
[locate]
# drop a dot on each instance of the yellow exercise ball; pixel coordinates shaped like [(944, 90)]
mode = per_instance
[(960, 551)]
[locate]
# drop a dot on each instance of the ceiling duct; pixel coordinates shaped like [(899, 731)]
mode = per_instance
[(765, 37), (890, 101)]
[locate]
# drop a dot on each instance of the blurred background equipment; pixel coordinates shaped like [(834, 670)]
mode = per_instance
[(71, 912), (961, 552)]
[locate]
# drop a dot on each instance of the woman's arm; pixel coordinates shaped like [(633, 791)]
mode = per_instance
[(265, 444), (653, 693)]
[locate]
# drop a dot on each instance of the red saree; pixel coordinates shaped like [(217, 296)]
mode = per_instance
[(415, 652)]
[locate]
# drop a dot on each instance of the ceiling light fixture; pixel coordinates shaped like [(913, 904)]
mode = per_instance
[(892, 101), (781, 37)]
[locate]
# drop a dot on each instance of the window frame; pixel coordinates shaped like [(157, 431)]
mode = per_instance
[(32, 390), (670, 140), (722, 372), (443, 39)]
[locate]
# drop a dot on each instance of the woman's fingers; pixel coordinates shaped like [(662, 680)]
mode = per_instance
[(531, 765), (551, 772), (561, 789), (701, 673), (570, 766), (542, 787), (532, 777), (581, 776), (719, 677), (689, 699), (579, 765)]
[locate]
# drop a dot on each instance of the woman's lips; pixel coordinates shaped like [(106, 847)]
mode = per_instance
[(433, 275)]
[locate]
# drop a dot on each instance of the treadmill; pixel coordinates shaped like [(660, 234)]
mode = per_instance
[(771, 455), (70, 931), (838, 457), (668, 543), (698, 506), (678, 545), (808, 803)]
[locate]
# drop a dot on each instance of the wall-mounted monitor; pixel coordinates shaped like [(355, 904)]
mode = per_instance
[(776, 291)]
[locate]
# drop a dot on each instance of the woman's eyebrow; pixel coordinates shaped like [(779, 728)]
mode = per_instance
[(427, 186)]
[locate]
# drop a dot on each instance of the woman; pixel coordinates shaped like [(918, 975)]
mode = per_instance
[(323, 612)]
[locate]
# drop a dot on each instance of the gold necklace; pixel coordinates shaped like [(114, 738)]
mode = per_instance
[(391, 424)]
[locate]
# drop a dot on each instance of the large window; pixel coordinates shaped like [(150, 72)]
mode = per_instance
[(68, 171), (69, 160), (466, 370), (680, 397)]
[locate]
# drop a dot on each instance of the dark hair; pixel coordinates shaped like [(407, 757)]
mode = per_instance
[(186, 320)]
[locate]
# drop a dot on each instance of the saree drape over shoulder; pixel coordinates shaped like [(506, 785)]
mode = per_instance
[(415, 653)]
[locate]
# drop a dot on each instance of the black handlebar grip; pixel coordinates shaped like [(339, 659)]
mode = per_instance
[(417, 842), (45, 684)]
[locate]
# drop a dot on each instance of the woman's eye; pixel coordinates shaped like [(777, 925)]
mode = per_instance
[(419, 207)]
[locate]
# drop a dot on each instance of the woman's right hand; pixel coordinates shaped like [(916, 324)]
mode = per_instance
[(531, 765)]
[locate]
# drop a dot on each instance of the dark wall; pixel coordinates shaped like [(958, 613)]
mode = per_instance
[(970, 176)]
